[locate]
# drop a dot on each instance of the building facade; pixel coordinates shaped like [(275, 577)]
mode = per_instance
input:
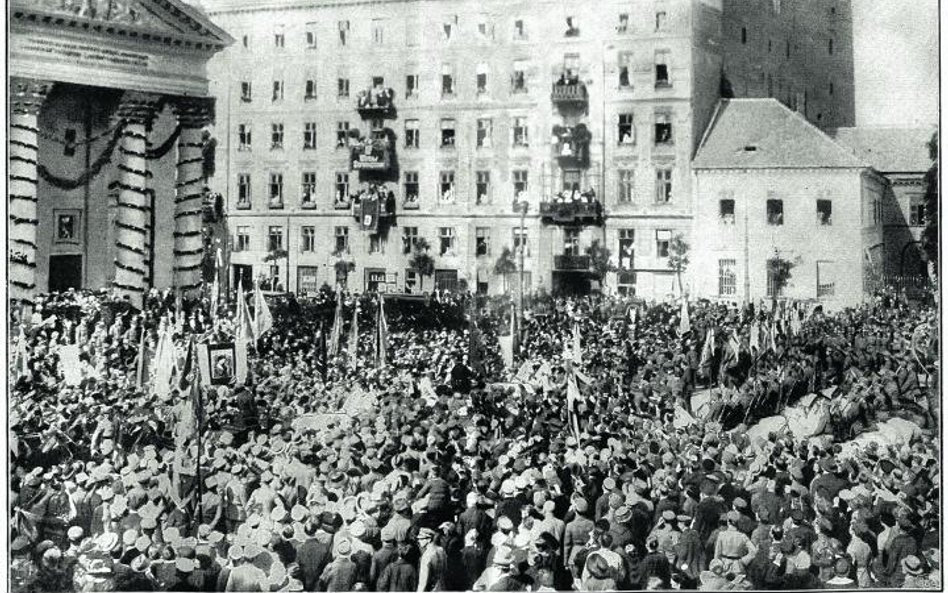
[(459, 112), (775, 194), (109, 107)]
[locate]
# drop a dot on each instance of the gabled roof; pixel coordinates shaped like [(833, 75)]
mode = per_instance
[(889, 150), (765, 134)]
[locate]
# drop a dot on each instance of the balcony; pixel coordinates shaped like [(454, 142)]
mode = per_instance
[(571, 263), (371, 154), (376, 103), (584, 209), (569, 91), (571, 145)]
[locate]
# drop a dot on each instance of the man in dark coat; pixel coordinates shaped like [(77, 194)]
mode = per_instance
[(313, 556)]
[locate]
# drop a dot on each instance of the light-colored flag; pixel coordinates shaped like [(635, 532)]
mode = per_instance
[(69, 362), (353, 347), (577, 346), (381, 336), (754, 341), (573, 395), (335, 337), (243, 335), (684, 325), (22, 362), (262, 319), (164, 364), (707, 352)]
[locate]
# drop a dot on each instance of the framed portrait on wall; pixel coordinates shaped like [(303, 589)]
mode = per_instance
[(68, 228)]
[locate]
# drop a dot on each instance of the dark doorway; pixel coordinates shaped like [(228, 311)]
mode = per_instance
[(65, 272), (243, 275), (571, 283)]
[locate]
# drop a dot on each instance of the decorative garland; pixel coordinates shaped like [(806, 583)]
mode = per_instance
[(75, 143), (94, 169), (164, 147)]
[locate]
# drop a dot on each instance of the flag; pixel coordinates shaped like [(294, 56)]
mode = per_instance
[(69, 362), (707, 352), (734, 349), (353, 347), (164, 364), (506, 350), (773, 336), (321, 364), (369, 214), (243, 336), (381, 336), (577, 346), (337, 322), (755, 336), (140, 367), (573, 395), (22, 358), (262, 319), (633, 320), (684, 325), (178, 312)]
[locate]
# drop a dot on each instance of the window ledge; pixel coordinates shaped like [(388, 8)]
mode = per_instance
[(243, 206)]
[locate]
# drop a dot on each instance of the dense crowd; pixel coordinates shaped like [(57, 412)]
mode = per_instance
[(462, 474)]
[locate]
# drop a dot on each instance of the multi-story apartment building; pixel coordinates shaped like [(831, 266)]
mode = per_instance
[(464, 110)]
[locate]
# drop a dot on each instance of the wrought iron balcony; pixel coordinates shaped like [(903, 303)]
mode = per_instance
[(376, 103), (571, 263), (569, 90), (566, 211)]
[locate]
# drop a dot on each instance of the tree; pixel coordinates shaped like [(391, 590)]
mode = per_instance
[(930, 235), (343, 269), (421, 262), (505, 265), (779, 273), (678, 259), (600, 261)]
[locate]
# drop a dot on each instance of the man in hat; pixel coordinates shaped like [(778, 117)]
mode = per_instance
[(315, 553), (733, 547), (433, 562), (244, 576), (400, 574), (474, 518), (340, 573), (577, 531)]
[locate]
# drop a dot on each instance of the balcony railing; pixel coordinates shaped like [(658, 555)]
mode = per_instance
[(571, 263), (371, 155), (376, 103), (571, 144), (566, 211), (569, 91)]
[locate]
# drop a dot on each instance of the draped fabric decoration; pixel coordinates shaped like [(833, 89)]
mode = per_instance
[(193, 114), (131, 261), (94, 168), (26, 99)]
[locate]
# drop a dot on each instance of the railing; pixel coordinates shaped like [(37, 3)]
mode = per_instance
[(571, 212), (568, 263), (569, 91), (376, 103)]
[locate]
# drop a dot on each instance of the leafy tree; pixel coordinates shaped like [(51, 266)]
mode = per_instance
[(276, 255), (678, 259), (930, 234), (780, 270), (505, 265), (421, 261), (343, 269), (600, 260)]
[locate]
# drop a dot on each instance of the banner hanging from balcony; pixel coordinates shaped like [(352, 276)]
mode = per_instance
[(369, 213)]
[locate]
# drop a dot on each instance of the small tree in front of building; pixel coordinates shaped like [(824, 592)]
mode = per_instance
[(275, 255), (505, 265), (343, 268), (678, 258), (779, 272), (600, 261), (421, 262)]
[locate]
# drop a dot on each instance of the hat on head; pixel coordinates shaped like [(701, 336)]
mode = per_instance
[(185, 565), (912, 565), (74, 533), (580, 505), (623, 514), (426, 533), (504, 523)]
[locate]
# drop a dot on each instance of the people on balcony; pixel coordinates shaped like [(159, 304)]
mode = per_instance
[(568, 78), (370, 149), (377, 97), (377, 191), (575, 196)]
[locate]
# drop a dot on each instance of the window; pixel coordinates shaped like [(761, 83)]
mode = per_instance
[(279, 39), (309, 93), (342, 187), (246, 92), (446, 187), (623, 26), (409, 239), (727, 277), (626, 132), (661, 68), (308, 189), (726, 211), (571, 242), (244, 137), (520, 30), (571, 65), (376, 244), (275, 238), (917, 210), (342, 88), (626, 186), (482, 78), (308, 239), (520, 185), (411, 85), (661, 18), (243, 190), (743, 35), (775, 212), (447, 80), (663, 185), (276, 190), (276, 136), (343, 27), (447, 133), (571, 180), (518, 81), (481, 241), (485, 132), (277, 91), (662, 241), (482, 187), (521, 240), (342, 239), (446, 240), (824, 212), (626, 249), (342, 134), (832, 88), (378, 32), (663, 128), (310, 35), (447, 28), (242, 243), (773, 290), (411, 281), (412, 133), (484, 28), (825, 279), (309, 135), (411, 187), (521, 136), (626, 67), (572, 27)]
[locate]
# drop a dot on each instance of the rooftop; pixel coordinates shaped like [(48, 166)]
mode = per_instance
[(889, 150), (766, 134)]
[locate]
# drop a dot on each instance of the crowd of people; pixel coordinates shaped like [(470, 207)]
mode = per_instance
[(460, 471)]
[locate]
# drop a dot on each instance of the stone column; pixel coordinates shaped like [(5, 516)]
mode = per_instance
[(193, 113), (138, 110), (26, 99)]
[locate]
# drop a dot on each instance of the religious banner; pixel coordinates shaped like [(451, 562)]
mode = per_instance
[(369, 214), (222, 364)]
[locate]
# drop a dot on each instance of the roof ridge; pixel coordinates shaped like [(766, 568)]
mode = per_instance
[(820, 132)]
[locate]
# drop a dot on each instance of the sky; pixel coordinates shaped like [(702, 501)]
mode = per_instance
[(895, 50)]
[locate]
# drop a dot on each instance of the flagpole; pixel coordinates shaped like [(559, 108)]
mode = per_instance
[(200, 435)]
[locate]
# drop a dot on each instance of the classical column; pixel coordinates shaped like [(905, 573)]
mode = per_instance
[(26, 99), (194, 114), (137, 110)]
